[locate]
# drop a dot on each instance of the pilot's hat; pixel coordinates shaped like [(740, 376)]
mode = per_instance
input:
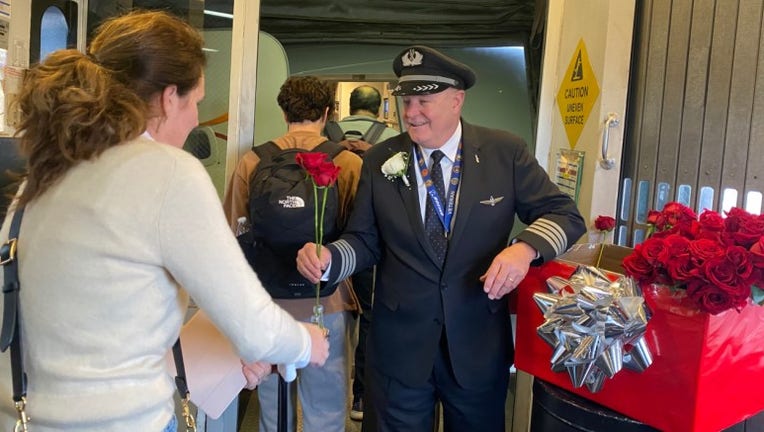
[(423, 70)]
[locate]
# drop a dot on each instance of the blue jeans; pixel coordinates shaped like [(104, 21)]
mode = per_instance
[(172, 426)]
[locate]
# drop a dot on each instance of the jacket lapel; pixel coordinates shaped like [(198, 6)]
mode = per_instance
[(469, 184), (410, 197)]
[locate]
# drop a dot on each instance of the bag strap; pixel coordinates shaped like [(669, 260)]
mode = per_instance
[(329, 147), (374, 132), (10, 333), (182, 386), (333, 131), (266, 151)]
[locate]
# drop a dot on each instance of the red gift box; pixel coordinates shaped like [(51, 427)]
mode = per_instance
[(707, 372)]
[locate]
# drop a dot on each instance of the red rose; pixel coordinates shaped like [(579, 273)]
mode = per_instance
[(702, 250), (681, 269), (676, 213), (604, 223), (652, 250), (730, 272), (666, 233), (656, 219), (326, 174), (675, 257), (743, 228), (739, 257), (637, 267), (676, 245), (711, 221), (757, 253), (713, 300), (719, 237), (720, 273), (688, 228), (323, 172), (736, 217), (749, 232), (311, 161)]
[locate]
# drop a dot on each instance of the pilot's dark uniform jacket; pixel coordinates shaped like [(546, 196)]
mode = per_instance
[(421, 306)]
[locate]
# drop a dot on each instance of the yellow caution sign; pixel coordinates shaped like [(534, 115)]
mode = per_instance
[(578, 92)]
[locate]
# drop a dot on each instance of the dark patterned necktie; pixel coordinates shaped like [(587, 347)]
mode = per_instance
[(432, 225)]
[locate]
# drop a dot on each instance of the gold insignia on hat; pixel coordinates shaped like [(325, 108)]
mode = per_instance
[(412, 57)]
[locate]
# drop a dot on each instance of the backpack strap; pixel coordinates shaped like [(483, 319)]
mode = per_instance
[(374, 132), (329, 147), (266, 151), (333, 131)]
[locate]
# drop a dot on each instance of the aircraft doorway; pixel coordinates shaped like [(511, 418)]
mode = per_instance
[(388, 109)]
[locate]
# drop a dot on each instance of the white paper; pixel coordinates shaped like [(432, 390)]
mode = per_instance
[(213, 369)]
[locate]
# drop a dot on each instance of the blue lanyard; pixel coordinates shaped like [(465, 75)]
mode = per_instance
[(446, 215)]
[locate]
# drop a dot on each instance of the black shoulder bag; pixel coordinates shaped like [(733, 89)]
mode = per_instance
[(10, 334)]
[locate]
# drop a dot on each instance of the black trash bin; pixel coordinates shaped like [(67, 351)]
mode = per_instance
[(558, 410)]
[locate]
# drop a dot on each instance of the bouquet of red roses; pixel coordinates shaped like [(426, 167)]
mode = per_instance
[(719, 261)]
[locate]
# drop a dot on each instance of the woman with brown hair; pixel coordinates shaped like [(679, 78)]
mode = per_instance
[(115, 224)]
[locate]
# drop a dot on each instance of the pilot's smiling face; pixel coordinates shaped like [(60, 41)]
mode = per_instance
[(432, 119)]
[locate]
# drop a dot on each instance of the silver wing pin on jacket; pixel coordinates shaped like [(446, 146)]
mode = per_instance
[(492, 201)]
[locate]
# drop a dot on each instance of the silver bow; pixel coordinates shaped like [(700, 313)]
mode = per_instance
[(588, 322)]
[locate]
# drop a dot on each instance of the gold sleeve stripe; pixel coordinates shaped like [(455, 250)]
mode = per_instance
[(551, 232)]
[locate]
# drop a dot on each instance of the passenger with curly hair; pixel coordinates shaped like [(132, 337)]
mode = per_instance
[(307, 102)]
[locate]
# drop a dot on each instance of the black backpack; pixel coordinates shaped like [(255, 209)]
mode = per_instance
[(281, 213), (334, 132)]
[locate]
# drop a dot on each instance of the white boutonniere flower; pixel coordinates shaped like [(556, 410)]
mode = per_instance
[(396, 167)]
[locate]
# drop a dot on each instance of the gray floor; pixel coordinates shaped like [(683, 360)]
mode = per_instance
[(250, 423)]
